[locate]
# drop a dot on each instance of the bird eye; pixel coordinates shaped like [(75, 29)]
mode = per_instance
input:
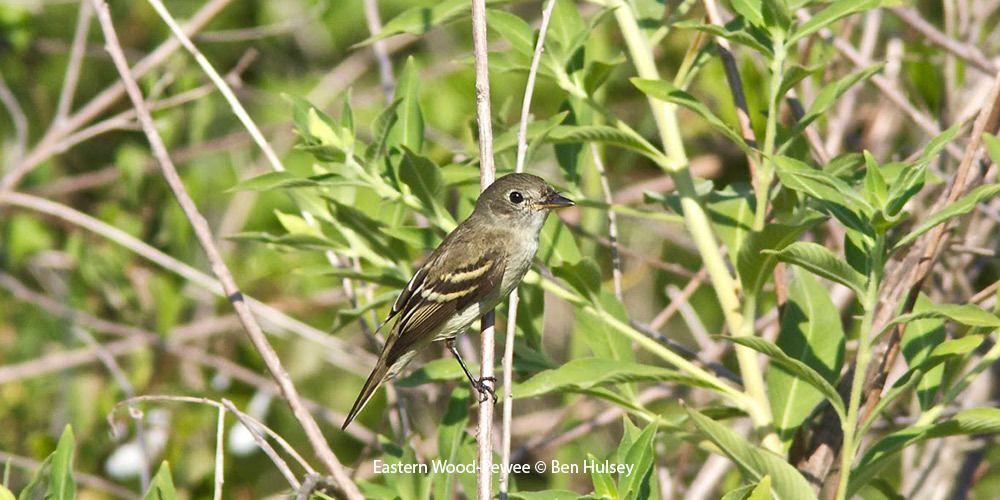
[(516, 197)]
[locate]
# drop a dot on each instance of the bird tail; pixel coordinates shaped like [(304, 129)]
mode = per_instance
[(376, 378)]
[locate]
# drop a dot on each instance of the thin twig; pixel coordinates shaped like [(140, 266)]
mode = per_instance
[(76, 52), (219, 268), (616, 260), (379, 49), (487, 172), (9, 101), (43, 149), (220, 431), (340, 353), (968, 52), (514, 300), (253, 427)]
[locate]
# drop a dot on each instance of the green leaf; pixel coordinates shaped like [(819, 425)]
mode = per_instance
[(751, 10), (966, 314), (390, 277), (595, 332), (451, 438), (973, 421), (919, 339), (582, 374), (513, 29), (795, 74), (801, 370), (380, 131), (818, 184), (556, 244), (54, 478), (274, 180), (837, 10), (408, 130), (162, 485), (992, 144), (875, 187), (572, 134), (826, 97), (544, 495), (961, 206), (810, 332), (6, 494), (754, 462), (735, 31), (420, 20), (820, 261), (762, 491), (753, 265), (668, 92), (584, 276), (424, 179), (640, 454), (603, 485)]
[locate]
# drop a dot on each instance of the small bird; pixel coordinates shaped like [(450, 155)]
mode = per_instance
[(476, 266)]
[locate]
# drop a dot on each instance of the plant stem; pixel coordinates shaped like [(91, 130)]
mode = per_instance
[(765, 174), (850, 425), (697, 222)]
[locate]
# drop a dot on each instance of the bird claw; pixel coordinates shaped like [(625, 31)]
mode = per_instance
[(485, 391)]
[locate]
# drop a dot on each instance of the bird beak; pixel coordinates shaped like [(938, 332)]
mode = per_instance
[(555, 200)]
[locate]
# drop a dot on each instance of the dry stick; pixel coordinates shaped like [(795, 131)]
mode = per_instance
[(487, 172), (968, 52), (508, 351), (43, 149), (136, 339), (220, 431), (379, 49), (76, 51), (219, 268), (616, 260), (9, 100), (341, 354), (252, 424)]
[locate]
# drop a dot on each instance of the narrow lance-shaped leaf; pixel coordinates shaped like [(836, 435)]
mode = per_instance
[(800, 369), (967, 422), (961, 206), (408, 130), (586, 373), (753, 265), (820, 261), (607, 135), (668, 92), (754, 462), (162, 485), (836, 10), (420, 20)]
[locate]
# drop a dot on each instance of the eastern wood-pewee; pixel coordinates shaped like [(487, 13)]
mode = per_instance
[(475, 267)]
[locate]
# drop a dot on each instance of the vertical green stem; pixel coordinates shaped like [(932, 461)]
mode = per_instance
[(765, 171), (697, 223), (850, 425)]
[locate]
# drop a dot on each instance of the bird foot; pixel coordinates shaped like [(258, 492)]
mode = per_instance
[(485, 390)]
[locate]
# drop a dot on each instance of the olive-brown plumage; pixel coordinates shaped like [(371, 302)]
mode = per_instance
[(473, 268)]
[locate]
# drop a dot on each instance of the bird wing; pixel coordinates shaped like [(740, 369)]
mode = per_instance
[(455, 276), (448, 284)]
